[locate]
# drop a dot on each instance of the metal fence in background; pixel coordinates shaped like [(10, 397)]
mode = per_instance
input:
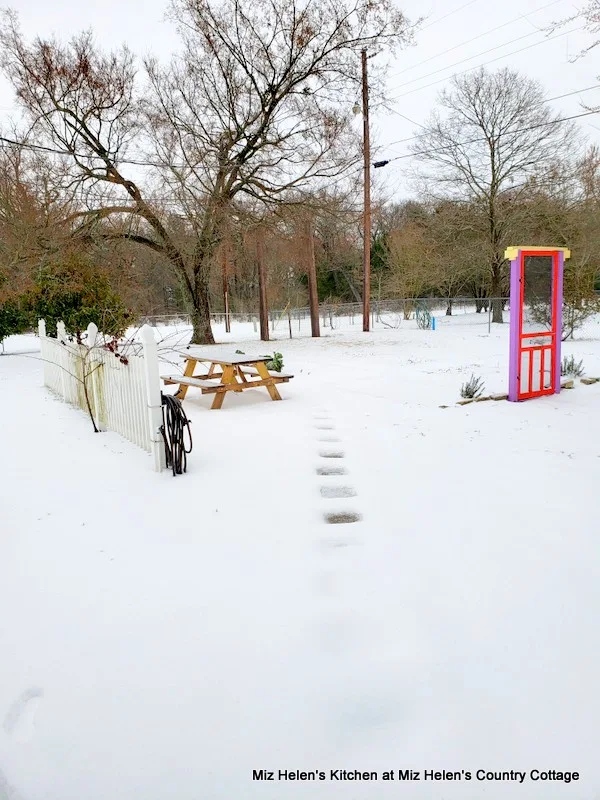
[(384, 314)]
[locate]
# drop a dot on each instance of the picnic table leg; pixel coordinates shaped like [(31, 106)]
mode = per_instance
[(227, 377), (187, 373), (264, 373)]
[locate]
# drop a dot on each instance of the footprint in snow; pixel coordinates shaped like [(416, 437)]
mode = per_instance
[(19, 722), (328, 543), (338, 491), (342, 517), (332, 471), (8, 792)]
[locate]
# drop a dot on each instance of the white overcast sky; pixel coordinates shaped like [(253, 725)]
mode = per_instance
[(456, 35)]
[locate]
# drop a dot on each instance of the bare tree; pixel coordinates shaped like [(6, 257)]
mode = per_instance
[(491, 134), (410, 254), (589, 14), (433, 249), (252, 111), (566, 212)]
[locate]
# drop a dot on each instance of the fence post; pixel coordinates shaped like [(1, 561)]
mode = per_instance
[(42, 336), (94, 365), (153, 396), (61, 335)]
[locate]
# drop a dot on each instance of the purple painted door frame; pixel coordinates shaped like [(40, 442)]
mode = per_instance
[(514, 254), (559, 319), (515, 312)]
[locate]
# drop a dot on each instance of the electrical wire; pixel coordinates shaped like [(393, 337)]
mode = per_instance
[(473, 39), (527, 35), (481, 139), (449, 14), (547, 100), (491, 61)]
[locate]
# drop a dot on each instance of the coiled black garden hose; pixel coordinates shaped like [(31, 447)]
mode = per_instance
[(175, 423)]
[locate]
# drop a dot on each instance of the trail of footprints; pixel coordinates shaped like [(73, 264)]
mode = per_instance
[(331, 452)]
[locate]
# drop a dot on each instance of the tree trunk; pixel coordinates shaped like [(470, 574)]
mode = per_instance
[(496, 295), (449, 308), (262, 288), (200, 314), (225, 255), (313, 297), (355, 293)]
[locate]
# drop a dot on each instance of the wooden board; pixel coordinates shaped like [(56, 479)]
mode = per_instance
[(189, 381), (272, 373), (216, 356)]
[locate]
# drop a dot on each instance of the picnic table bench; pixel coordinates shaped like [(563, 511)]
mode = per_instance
[(226, 372)]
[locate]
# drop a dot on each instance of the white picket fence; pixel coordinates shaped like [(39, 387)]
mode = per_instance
[(122, 397)]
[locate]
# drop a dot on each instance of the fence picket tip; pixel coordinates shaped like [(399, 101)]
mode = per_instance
[(92, 334), (147, 334)]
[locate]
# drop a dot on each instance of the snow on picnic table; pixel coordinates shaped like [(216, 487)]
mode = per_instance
[(161, 638)]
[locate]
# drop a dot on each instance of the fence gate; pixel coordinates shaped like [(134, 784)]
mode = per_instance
[(536, 297)]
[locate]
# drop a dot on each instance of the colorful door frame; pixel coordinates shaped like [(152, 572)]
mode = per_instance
[(524, 349)]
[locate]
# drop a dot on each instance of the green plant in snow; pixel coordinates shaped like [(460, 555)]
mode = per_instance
[(423, 316), (472, 389), (275, 362), (571, 367)]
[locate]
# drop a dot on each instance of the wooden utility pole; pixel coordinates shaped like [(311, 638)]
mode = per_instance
[(313, 295), (367, 198), (262, 287), (226, 288)]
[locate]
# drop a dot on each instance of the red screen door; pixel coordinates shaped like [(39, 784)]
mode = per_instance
[(537, 323)]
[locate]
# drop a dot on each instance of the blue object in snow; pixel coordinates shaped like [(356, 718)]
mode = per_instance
[(433, 323)]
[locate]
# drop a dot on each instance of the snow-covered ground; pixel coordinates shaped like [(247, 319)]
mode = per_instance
[(161, 638)]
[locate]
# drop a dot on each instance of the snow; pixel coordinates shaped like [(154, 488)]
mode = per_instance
[(162, 637)]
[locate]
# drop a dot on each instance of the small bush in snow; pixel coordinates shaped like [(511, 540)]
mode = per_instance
[(571, 367), (423, 316), (472, 388), (275, 363)]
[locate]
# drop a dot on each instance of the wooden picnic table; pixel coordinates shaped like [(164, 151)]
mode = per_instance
[(226, 372)]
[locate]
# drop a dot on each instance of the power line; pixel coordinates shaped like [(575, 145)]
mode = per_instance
[(449, 14), (507, 133), (44, 148), (474, 38), (547, 100), (399, 114), (491, 61), (469, 58), (56, 151)]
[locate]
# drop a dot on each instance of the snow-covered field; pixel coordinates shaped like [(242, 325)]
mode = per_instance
[(161, 638)]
